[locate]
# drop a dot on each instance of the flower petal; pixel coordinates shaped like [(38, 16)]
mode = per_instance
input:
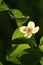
[(31, 24), (35, 30), (23, 29), (28, 35)]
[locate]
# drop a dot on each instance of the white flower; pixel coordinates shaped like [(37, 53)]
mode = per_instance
[(29, 30)]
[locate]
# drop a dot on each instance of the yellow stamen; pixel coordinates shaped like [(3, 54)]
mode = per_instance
[(29, 30)]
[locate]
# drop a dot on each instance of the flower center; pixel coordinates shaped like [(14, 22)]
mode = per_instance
[(29, 30)]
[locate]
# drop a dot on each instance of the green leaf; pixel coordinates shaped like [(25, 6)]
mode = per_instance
[(41, 48), (1, 63), (3, 7), (0, 1), (41, 44), (41, 61), (17, 34), (17, 13), (13, 57), (31, 58), (21, 21), (19, 17), (41, 40)]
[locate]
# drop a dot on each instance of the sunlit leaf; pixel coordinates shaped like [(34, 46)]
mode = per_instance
[(41, 61), (41, 48), (17, 34), (1, 63), (13, 57), (41, 44), (17, 13), (41, 40), (3, 7), (19, 17), (0, 1)]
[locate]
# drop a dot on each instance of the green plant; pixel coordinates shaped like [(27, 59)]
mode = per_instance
[(15, 49)]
